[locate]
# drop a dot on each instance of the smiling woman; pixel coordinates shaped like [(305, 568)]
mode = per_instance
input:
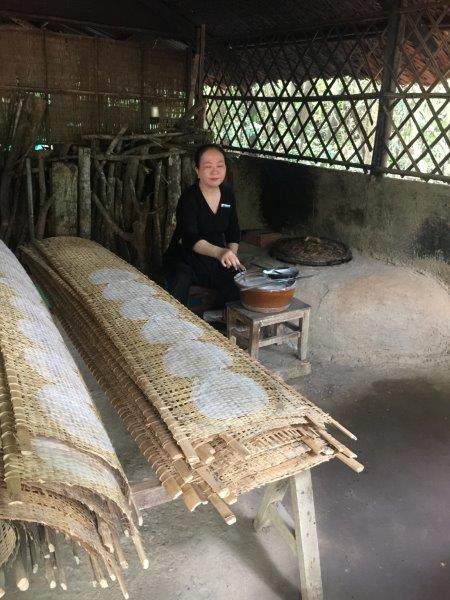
[(204, 246)]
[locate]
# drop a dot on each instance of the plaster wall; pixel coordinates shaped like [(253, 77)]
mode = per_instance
[(403, 221)]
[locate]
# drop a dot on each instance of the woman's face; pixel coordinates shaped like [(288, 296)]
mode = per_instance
[(211, 170)]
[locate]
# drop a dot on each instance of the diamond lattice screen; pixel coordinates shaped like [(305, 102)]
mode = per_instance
[(418, 143), (317, 98)]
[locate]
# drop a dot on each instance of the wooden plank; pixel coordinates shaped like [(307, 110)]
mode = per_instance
[(306, 536), (278, 339), (149, 493)]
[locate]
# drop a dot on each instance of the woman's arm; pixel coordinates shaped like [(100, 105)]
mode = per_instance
[(226, 256)]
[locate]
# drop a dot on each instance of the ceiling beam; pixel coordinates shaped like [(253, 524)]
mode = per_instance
[(9, 14)]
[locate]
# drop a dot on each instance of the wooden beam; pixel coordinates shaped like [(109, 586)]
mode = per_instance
[(391, 59), (9, 14)]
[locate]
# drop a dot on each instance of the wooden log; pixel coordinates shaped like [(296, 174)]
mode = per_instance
[(102, 210), (42, 182), (131, 157), (159, 190), (30, 199), (127, 200), (173, 195), (24, 136), (42, 218), (65, 192), (188, 175), (200, 116), (84, 192)]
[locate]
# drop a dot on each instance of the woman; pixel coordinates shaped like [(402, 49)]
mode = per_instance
[(207, 235)]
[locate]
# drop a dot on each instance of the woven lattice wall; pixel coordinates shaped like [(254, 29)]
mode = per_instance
[(371, 94), (93, 85)]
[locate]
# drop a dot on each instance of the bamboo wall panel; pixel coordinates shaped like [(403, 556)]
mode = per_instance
[(92, 85)]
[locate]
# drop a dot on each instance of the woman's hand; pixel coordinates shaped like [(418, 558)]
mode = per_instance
[(228, 258)]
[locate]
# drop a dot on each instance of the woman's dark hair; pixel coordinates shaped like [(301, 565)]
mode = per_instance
[(202, 149)]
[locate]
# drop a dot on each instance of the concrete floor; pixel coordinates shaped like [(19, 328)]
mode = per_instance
[(383, 534)]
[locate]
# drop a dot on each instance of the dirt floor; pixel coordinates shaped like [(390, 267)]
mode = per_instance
[(383, 534)]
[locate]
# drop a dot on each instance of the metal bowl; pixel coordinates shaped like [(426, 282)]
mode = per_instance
[(281, 273)]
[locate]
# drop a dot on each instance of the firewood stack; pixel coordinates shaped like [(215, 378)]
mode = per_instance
[(212, 422), (60, 479)]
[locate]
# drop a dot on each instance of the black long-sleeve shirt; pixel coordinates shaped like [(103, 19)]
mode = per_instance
[(196, 221)]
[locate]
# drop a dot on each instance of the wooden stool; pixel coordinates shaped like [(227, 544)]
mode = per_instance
[(252, 323)]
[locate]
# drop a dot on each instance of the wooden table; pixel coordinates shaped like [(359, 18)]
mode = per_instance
[(246, 325)]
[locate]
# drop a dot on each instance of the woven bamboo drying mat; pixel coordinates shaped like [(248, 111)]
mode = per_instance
[(276, 441), (58, 469), (200, 383)]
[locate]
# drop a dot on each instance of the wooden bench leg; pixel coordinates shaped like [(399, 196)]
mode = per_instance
[(306, 536), (300, 533)]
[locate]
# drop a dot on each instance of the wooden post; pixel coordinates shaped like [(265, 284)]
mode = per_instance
[(188, 176), (199, 118), (65, 192), (28, 123), (306, 536), (394, 36), (84, 192), (30, 199), (173, 195)]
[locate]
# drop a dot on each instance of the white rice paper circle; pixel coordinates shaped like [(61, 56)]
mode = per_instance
[(109, 274), (224, 394), (195, 359), (169, 330), (72, 420), (147, 308)]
